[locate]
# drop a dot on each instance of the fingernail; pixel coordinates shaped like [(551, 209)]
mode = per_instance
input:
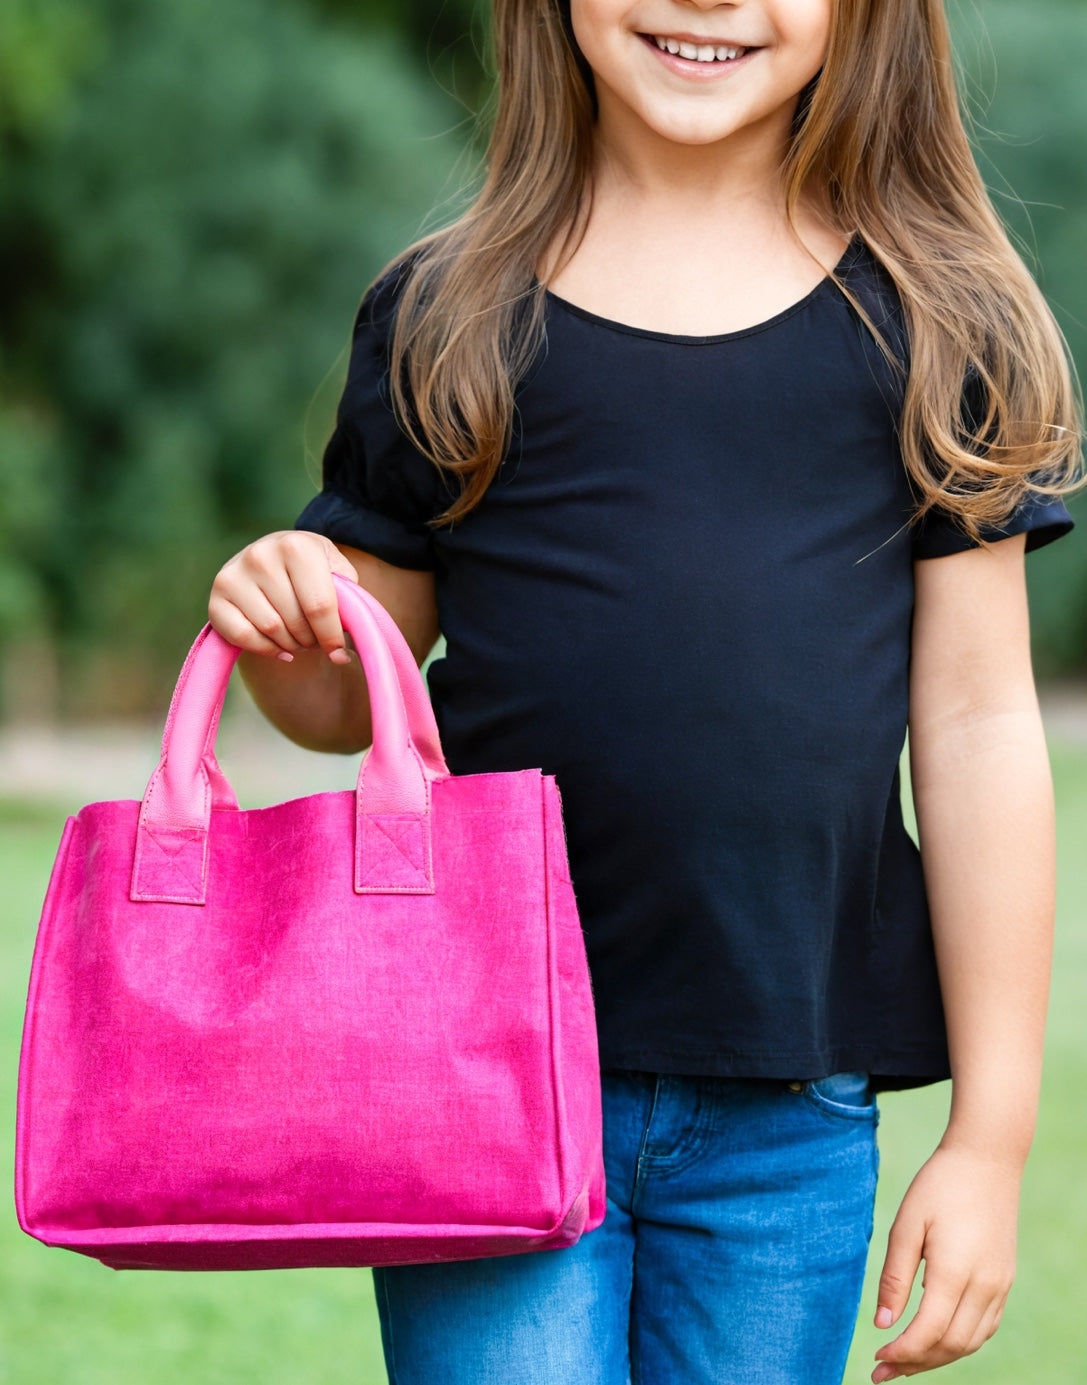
[(882, 1373), (340, 656), (284, 657), (884, 1317)]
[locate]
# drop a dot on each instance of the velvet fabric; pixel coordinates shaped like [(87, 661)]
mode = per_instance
[(351, 1029)]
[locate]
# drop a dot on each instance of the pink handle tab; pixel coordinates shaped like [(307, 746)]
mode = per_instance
[(393, 836), (392, 819)]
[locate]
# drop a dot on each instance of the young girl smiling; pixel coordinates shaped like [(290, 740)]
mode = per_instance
[(712, 438)]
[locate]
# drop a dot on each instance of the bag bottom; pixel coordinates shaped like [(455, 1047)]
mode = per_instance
[(225, 1247)]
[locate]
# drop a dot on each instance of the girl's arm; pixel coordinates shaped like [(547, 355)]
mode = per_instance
[(275, 600), (984, 801)]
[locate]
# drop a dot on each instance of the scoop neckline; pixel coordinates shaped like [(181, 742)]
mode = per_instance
[(683, 339)]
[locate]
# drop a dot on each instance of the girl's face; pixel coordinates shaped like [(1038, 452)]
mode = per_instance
[(695, 72)]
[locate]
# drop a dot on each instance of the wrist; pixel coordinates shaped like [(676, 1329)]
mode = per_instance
[(1003, 1143)]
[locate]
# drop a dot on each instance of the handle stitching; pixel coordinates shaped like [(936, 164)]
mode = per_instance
[(402, 825), (145, 833)]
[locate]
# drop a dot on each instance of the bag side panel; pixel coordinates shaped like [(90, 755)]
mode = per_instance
[(44, 947), (577, 1059)]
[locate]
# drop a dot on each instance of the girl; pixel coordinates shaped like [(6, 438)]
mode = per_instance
[(712, 438)]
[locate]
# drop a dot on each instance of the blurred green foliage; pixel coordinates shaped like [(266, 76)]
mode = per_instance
[(195, 193), (186, 233), (450, 36), (1023, 69), (44, 46)]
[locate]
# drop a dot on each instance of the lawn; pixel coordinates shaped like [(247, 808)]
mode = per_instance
[(66, 1319)]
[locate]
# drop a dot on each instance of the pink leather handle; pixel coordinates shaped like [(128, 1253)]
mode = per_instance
[(392, 840), (424, 729)]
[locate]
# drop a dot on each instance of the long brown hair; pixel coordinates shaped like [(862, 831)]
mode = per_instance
[(879, 138)]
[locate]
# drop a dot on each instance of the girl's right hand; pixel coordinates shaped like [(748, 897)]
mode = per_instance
[(276, 597)]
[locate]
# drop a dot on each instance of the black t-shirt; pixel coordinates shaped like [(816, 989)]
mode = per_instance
[(688, 595)]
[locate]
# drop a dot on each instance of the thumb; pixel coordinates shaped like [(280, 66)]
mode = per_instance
[(904, 1247)]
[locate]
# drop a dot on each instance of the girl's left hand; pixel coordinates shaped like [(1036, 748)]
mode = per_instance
[(960, 1217)]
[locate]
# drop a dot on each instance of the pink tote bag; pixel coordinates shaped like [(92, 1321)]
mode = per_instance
[(351, 1029)]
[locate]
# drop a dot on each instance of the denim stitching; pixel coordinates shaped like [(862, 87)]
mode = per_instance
[(638, 1180), (635, 1372), (875, 1176), (381, 1290), (695, 1141), (835, 1111)]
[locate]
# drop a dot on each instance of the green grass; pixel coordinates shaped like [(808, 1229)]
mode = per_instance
[(1044, 1333), (66, 1319)]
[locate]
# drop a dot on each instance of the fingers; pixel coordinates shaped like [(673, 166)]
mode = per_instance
[(309, 598), (911, 1350), (237, 629), (959, 1216), (904, 1249), (277, 597), (953, 1321)]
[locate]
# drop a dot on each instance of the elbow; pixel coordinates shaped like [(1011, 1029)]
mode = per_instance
[(340, 745), (328, 738)]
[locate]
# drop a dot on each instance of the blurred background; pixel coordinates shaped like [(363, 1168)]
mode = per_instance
[(193, 196)]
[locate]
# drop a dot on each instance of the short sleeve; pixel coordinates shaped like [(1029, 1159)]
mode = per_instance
[(1042, 518), (378, 490)]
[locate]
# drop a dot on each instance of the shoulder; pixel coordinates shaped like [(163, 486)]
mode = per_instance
[(372, 337), (381, 302), (869, 283)]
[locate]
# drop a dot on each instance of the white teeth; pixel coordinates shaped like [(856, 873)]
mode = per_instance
[(699, 52)]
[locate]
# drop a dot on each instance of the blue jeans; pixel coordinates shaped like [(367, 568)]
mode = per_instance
[(733, 1251)]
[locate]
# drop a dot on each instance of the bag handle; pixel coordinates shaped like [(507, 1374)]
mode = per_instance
[(393, 826)]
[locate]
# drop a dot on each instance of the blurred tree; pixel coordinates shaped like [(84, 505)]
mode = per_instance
[(1025, 86), (193, 197), (191, 241), (449, 34), (44, 46)]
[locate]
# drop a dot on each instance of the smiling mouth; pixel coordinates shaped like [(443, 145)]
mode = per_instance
[(698, 52)]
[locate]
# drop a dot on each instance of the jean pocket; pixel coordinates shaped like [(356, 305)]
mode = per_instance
[(847, 1095)]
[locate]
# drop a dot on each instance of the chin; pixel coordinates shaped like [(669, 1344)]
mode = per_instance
[(694, 133)]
